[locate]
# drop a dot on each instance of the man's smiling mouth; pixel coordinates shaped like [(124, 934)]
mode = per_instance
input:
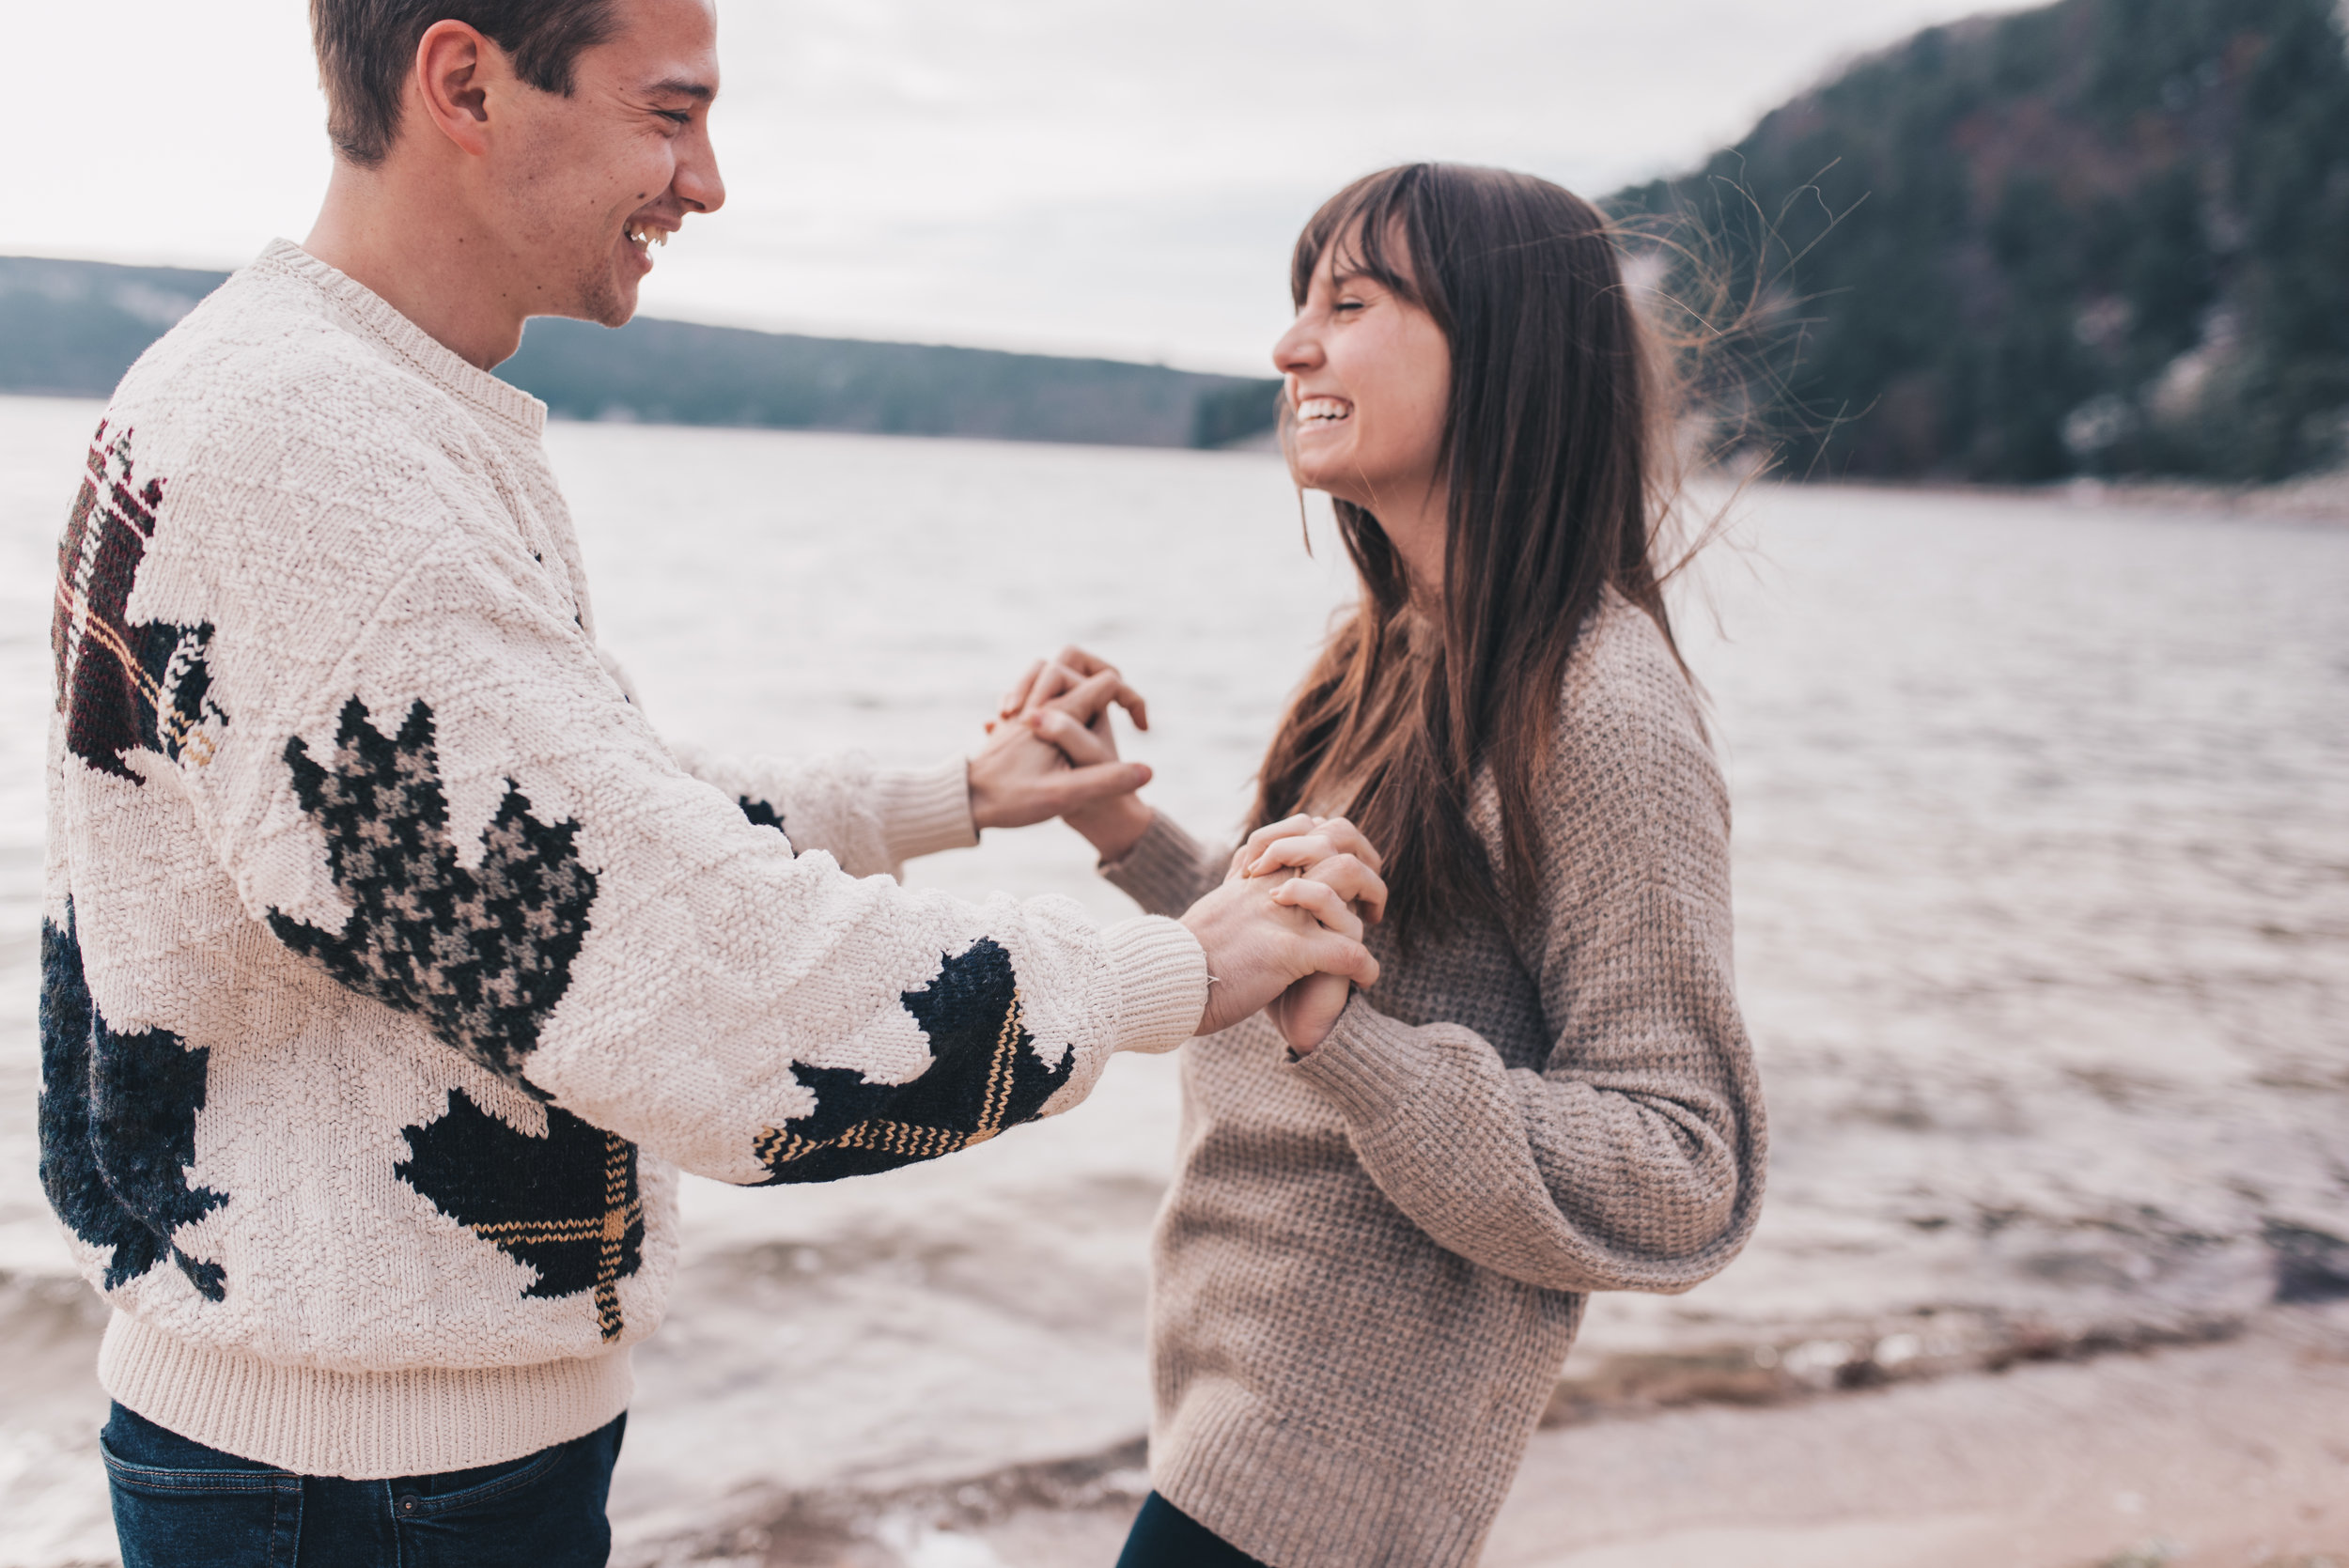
[(643, 234)]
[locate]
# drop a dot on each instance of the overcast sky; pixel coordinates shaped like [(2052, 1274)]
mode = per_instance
[(1086, 176)]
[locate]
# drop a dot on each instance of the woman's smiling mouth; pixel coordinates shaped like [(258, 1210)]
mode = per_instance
[(1323, 411)]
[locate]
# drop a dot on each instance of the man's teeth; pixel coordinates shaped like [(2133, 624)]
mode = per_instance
[(1324, 407), (645, 234)]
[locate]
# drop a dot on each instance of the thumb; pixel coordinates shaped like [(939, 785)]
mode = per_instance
[(1332, 953), (1082, 786), (1076, 743)]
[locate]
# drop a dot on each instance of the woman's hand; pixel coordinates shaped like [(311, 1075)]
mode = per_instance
[(1056, 759), (1048, 678), (1332, 872), (1066, 702)]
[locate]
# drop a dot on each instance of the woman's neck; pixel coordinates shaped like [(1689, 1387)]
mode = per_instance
[(1417, 533)]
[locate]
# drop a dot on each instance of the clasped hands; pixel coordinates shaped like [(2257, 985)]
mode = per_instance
[(1283, 930)]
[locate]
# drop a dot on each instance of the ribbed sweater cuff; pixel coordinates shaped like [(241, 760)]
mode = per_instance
[(924, 810), (1161, 977), (1162, 871), (1368, 1064)]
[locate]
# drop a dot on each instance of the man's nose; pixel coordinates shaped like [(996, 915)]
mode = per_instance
[(698, 184)]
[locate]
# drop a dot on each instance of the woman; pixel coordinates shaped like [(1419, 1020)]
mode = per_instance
[(1390, 1206)]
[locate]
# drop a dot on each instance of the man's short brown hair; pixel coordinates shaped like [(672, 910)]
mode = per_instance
[(366, 48)]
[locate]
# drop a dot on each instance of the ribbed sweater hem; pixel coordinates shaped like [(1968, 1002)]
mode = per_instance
[(1287, 1498), (359, 1425), (1162, 976), (924, 810)]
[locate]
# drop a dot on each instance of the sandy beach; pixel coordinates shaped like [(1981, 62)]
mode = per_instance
[(2225, 1455)]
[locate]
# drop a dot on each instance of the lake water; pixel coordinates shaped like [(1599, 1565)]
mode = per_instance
[(2042, 883)]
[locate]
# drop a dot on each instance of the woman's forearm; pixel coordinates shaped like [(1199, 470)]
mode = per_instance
[(1164, 869), (1114, 826)]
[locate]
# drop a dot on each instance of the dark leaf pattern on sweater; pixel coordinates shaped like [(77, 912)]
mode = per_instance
[(983, 1075), (117, 1125), (481, 955), (565, 1204), (123, 686)]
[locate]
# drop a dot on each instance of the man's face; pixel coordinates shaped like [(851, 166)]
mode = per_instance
[(591, 182)]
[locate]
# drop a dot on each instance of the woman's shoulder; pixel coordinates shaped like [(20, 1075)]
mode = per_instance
[(1623, 678), (1630, 780)]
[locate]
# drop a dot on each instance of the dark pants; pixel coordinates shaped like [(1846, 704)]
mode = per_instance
[(1164, 1536), (178, 1504)]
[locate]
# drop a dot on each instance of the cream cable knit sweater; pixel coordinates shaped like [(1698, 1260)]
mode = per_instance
[(390, 963), (1373, 1261)]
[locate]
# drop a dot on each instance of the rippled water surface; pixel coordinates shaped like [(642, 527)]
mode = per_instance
[(2042, 880)]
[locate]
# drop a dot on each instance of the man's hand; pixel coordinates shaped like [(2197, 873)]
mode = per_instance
[(1263, 934)]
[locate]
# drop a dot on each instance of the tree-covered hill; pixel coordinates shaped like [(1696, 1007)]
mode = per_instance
[(73, 327), (2105, 236)]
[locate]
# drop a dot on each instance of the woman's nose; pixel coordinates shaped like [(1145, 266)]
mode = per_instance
[(1298, 350)]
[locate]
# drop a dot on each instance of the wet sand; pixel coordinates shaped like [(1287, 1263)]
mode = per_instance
[(2227, 1455)]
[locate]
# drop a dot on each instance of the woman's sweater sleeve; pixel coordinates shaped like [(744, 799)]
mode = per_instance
[(1633, 1160), (1167, 870)]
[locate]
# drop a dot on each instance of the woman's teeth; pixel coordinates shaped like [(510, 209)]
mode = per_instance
[(1322, 408)]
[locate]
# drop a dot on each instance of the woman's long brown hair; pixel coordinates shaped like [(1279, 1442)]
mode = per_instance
[(1556, 451)]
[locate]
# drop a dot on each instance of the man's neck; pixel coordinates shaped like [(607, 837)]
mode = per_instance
[(419, 251)]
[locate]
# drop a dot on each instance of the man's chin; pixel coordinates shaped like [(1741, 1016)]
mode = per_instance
[(604, 298)]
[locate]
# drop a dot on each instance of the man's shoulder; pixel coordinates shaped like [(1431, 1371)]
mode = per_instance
[(263, 383)]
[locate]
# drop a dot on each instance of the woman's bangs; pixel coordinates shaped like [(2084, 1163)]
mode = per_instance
[(1361, 225)]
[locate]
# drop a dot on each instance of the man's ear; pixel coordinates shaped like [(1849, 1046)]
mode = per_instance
[(450, 85)]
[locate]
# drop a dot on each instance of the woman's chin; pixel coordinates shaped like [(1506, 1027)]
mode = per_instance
[(1316, 470)]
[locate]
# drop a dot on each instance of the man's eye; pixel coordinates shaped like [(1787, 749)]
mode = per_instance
[(675, 116)]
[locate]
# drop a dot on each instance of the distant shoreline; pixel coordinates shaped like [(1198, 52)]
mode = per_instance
[(2318, 498), (2315, 498)]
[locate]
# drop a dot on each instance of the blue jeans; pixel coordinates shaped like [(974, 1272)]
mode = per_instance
[(178, 1504), (1164, 1536)]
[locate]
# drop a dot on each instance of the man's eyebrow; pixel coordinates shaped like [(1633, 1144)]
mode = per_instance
[(679, 86)]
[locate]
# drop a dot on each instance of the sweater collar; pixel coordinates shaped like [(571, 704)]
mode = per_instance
[(374, 316)]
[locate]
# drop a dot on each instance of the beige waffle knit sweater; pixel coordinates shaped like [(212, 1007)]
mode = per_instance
[(1373, 1261)]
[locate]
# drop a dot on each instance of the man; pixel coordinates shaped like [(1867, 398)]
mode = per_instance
[(391, 961)]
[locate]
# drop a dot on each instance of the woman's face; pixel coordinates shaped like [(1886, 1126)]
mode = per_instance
[(1369, 378)]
